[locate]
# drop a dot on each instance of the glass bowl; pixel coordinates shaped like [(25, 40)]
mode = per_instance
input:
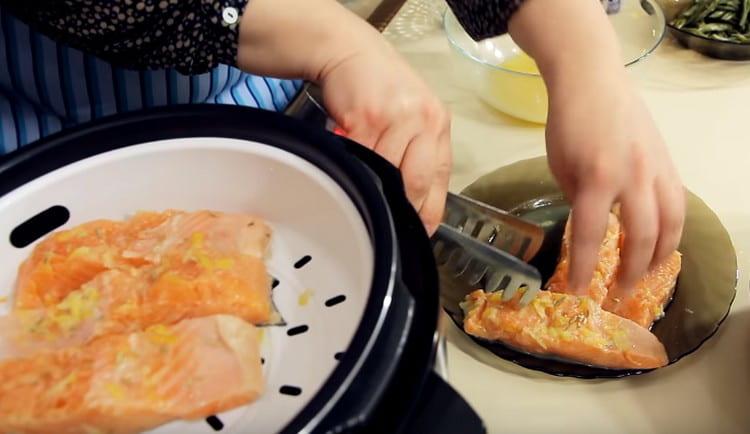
[(504, 77)]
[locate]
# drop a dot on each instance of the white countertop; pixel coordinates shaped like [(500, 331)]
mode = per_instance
[(703, 109)]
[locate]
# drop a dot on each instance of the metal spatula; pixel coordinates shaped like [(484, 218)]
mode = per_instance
[(493, 226), (486, 247)]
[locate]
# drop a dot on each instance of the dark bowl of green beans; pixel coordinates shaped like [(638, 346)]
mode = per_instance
[(715, 28)]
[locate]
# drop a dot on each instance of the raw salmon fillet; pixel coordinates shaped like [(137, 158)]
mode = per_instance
[(131, 383), (606, 267), (563, 326), (188, 283), (66, 260), (645, 303)]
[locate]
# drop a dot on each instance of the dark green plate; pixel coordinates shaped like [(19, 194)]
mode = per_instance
[(705, 288)]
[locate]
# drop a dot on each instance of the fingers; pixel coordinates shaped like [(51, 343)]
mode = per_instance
[(433, 207), (671, 201), (589, 223), (423, 156), (640, 220), (412, 131), (364, 135), (394, 142), (419, 167)]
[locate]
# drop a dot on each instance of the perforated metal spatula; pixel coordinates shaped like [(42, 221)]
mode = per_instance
[(488, 248)]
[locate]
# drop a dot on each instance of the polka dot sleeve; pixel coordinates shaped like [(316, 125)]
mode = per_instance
[(192, 36), (484, 19)]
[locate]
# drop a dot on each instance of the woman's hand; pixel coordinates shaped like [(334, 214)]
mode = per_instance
[(603, 147), (381, 103), (368, 89)]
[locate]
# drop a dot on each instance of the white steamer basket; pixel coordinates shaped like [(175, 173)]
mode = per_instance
[(310, 216), (312, 219), (360, 352)]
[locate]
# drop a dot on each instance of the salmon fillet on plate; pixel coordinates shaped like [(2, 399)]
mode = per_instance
[(606, 266), (604, 327), (563, 326)]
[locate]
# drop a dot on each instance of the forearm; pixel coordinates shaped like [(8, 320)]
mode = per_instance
[(300, 38), (282, 38), (568, 39)]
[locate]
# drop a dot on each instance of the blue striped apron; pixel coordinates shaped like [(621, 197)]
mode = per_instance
[(46, 87)]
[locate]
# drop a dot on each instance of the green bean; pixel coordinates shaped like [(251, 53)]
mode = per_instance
[(717, 27), (743, 16), (722, 20)]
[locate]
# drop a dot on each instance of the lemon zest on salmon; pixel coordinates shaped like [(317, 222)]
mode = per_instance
[(46, 260), (620, 339), (77, 307), (64, 236), (490, 315), (533, 335), (69, 234), (203, 260), (108, 258), (539, 309), (592, 338), (63, 384), (152, 395), (199, 255), (161, 334), (657, 311), (224, 263), (126, 308), (197, 238), (80, 251), (115, 390)]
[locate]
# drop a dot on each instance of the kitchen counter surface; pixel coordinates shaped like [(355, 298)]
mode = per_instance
[(701, 106)]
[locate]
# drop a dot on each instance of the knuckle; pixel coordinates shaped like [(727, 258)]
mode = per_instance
[(404, 105), (601, 173), (430, 111), (445, 166), (373, 115), (641, 167), (434, 113), (431, 216), (348, 121), (673, 223), (681, 196), (418, 183), (432, 220)]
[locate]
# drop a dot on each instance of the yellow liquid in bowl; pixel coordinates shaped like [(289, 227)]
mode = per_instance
[(521, 96), (521, 63)]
